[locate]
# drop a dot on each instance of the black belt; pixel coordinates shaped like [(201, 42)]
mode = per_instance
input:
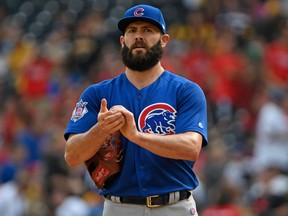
[(152, 201)]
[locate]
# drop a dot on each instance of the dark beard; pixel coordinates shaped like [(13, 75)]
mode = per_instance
[(140, 61)]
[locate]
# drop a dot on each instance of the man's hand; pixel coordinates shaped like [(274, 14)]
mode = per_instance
[(128, 129), (110, 120)]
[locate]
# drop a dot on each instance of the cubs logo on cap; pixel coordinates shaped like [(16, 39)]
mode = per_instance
[(145, 13), (139, 12)]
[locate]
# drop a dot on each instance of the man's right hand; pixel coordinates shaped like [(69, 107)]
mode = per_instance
[(109, 120)]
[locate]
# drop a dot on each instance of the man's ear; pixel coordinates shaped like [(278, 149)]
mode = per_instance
[(122, 40), (164, 40)]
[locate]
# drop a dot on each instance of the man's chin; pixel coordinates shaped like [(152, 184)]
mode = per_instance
[(139, 51)]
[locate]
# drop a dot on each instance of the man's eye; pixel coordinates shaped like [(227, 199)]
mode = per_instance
[(131, 30)]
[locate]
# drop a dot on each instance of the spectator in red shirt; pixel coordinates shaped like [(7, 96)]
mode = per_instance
[(196, 64), (227, 69), (276, 57), (36, 77)]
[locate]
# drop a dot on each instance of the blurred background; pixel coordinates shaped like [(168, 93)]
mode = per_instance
[(236, 50)]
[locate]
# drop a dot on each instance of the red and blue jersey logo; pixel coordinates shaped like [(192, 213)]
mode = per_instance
[(158, 118)]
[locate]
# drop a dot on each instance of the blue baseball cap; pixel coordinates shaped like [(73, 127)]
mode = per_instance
[(145, 13)]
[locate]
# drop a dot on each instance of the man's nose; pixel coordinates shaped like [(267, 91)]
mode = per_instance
[(138, 35)]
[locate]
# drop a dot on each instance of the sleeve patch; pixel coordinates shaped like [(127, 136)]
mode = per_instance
[(79, 111)]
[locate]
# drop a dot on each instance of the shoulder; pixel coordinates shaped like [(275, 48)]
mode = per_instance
[(174, 78), (182, 83), (103, 88), (106, 84)]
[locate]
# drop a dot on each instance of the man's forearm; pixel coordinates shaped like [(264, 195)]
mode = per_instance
[(81, 147), (186, 146)]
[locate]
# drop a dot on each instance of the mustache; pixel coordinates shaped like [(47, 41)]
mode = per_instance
[(139, 44)]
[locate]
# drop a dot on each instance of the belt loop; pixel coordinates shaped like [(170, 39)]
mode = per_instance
[(174, 197), (115, 199)]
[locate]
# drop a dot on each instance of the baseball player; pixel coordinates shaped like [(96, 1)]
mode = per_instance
[(162, 118)]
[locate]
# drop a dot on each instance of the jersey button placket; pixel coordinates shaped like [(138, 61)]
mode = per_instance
[(142, 172)]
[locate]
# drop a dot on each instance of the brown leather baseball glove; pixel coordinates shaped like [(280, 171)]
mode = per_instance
[(104, 166)]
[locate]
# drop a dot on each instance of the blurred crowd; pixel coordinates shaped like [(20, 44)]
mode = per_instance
[(236, 50)]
